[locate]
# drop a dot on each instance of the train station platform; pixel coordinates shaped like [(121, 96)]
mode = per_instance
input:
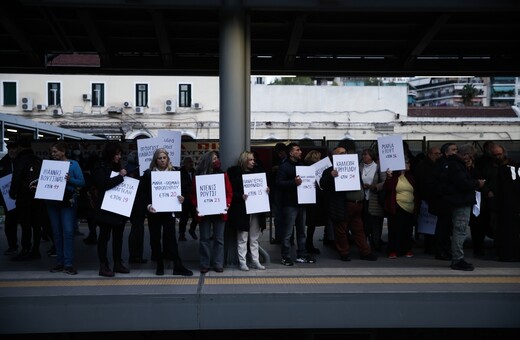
[(329, 297)]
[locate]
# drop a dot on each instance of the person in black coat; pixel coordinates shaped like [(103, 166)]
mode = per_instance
[(11, 218), (23, 189), (110, 224), (188, 210), (248, 226), (163, 220)]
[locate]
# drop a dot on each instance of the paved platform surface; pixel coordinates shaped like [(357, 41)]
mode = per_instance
[(419, 292)]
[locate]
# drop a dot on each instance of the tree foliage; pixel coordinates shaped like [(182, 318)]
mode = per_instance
[(293, 81)]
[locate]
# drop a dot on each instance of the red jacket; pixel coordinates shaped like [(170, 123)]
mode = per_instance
[(390, 193), (229, 195)]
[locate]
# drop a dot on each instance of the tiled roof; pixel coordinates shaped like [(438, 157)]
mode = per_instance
[(75, 60), (456, 112)]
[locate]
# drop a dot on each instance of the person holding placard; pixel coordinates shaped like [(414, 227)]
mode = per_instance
[(163, 220), (346, 213), (287, 181), (373, 213), (248, 226), (316, 214), (110, 223), (211, 255), (62, 214)]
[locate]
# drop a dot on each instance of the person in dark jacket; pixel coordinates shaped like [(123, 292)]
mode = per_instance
[(110, 224), (23, 189), (287, 181), (10, 216), (346, 213), (188, 210), (248, 227), (459, 193), (163, 220)]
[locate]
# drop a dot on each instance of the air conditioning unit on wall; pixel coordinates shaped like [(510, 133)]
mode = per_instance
[(86, 97), (27, 104), (197, 106), (139, 110), (170, 106), (127, 104), (57, 112), (41, 107)]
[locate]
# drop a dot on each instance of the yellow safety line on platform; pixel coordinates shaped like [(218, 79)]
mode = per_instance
[(93, 283), (361, 279), (316, 280)]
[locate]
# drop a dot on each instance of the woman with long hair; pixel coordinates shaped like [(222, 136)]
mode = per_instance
[(211, 225), (248, 226), (111, 225), (164, 220)]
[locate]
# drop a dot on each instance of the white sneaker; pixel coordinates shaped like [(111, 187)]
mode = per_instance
[(258, 266), (244, 268)]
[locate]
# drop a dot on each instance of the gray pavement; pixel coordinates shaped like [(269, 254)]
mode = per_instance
[(387, 293)]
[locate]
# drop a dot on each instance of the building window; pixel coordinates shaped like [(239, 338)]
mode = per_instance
[(141, 95), (185, 95), (98, 94), (54, 94), (9, 93)]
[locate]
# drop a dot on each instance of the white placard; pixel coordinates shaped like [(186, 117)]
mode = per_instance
[(5, 185), (145, 150), (52, 182), (321, 166), (391, 153), (426, 222), (347, 167), (211, 194), (120, 199), (166, 186), (171, 141), (255, 187), (307, 190), (476, 206)]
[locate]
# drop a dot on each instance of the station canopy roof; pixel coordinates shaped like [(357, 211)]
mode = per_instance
[(288, 37)]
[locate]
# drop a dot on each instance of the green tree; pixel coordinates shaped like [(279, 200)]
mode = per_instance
[(292, 81), (468, 92)]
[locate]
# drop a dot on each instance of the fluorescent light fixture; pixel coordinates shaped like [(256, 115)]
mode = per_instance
[(12, 130)]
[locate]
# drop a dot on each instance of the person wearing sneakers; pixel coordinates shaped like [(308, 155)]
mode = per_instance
[(248, 226), (401, 207), (287, 181), (62, 214), (162, 221)]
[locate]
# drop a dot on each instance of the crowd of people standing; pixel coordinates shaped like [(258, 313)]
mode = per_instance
[(449, 179)]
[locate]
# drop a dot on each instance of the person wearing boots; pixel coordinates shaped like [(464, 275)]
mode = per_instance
[(163, 220), (111, 225)]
